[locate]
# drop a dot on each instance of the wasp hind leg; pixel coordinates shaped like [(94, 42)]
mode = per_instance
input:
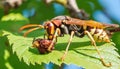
[(66, 51), (94, 44)]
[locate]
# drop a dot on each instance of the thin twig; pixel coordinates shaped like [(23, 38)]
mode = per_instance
[(75, 11), (72, 7)]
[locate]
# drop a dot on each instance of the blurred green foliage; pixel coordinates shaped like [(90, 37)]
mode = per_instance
[(9, 60)]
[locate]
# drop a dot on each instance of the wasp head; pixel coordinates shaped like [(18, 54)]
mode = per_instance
[(50, 29)]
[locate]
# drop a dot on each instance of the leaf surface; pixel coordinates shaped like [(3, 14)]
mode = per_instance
[(81, 52)]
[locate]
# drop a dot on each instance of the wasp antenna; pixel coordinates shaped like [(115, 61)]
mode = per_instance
[(30, 25), (30, 30)]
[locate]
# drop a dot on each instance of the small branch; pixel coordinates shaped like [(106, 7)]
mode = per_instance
[(11, 4), (72, 7), (75, 11)]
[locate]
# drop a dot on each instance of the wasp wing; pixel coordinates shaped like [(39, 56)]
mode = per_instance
[(112, 26), (91, 23)]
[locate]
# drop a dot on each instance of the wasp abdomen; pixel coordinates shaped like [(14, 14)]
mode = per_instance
[(99, 35)]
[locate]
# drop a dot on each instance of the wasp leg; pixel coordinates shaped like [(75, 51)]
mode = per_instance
[(66, 51), (30, 25), (94, 44), (54, 38), (33, 40), (45, 35)]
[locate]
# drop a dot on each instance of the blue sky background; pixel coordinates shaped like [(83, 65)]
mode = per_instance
[(111, 7)]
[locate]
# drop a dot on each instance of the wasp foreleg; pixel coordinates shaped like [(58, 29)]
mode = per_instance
[(94, 44), (66, 51), (54, 38)]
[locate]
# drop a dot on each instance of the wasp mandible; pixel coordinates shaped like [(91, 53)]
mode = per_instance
[(60, 25)]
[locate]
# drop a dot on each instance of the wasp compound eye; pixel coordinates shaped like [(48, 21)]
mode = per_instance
[(42, 45)]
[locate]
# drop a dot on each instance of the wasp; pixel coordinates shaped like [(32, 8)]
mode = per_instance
[(60, 25)]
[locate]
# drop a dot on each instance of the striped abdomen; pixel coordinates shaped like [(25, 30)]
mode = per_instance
[(99, 35)]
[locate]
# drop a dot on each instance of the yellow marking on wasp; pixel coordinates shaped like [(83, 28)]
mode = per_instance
[(92, 31), (106, 39), (96, 35), (85, 27), (52, 29), (50, 37)]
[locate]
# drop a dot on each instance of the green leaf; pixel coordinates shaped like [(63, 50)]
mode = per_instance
[(8, 60), (116, 38), (80, 52)]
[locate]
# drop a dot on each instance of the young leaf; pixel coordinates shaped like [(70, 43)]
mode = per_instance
[(1, 32), (81, 52), (13, 17)]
